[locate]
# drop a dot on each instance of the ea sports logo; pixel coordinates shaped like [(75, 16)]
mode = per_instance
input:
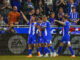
[(17, 44)]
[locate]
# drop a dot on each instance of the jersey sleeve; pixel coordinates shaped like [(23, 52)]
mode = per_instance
[(66, 23), (37, 24), (77, 15), (44, 25)]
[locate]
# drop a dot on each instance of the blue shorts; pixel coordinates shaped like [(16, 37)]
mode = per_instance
[(40, 39), (44, 39), (32, 39), (65, 39)]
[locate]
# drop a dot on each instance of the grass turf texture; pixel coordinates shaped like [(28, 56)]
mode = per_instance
[(38, 58)]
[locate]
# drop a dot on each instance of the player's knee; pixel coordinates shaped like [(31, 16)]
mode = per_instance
[(34, 45), (49, 45), (29, 47), (69, 45), (61, 44), (39, 45), (44, 45)]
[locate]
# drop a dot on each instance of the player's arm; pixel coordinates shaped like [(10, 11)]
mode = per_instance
[(24, 16), (76, 21), (43, 28), (39, 28), (62, 23)]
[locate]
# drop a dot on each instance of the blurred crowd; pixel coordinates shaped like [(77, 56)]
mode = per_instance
[(19, 12)]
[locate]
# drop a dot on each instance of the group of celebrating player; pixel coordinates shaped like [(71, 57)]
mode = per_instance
[(44, 47)]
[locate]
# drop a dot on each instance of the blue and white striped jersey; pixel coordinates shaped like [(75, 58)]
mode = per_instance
[(47, 30), (32, 29), (66, 28), (73, 16)]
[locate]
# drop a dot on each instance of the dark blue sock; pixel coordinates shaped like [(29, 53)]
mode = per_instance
[(59, 50), (52, 49), (41, 50), (71, 50), (46, 50), (30, 50), (38, 50)]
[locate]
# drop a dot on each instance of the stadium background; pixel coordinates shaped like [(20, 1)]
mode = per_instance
[(16, 43)]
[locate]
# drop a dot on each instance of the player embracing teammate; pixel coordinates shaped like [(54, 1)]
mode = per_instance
[(44, 37), (44, 41), (66, 36)]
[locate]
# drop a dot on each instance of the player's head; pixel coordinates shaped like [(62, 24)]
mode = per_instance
[(1, 17), (32, 11), (65, 17), (60, 10), (73, 9), (37, 11), (71, 1), (33, 18), (52, 14), (14, 8), (29, 0), (39, 19), (44, 18)]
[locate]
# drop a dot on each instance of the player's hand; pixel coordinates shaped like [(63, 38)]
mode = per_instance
[(55, 20), (29, 6), (75, 21), (36, 25), (21, 12)]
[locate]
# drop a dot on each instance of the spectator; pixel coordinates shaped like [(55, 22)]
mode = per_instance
[(79, 9), (5, 8), (70, 5), (74, 16), (17, 3), (60, 14), (27, 5), (14, 16), (78, 22), (49, 10), (41, 7), (52, 18), (77, 2), (37, 13), (2, 21), (27, 17), (61, 3)]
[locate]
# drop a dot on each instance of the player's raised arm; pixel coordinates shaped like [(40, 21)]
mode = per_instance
[(39, 28), (24, 16), (65, 18), (63, 23)]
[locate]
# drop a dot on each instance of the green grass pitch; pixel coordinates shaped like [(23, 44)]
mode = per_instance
[(38, 58)]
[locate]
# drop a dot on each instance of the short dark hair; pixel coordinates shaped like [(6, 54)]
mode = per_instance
[(40, 17), (44, 16), (52, 13), (73, 8), (30, 9), (65, 16)]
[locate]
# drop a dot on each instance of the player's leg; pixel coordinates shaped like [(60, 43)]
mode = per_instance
[(71, 49), (29, 46), (50, 46), (34, 42), (60, 48), (29, 50), (52, 50), (40, 53), (46, 50), (40, 48)]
